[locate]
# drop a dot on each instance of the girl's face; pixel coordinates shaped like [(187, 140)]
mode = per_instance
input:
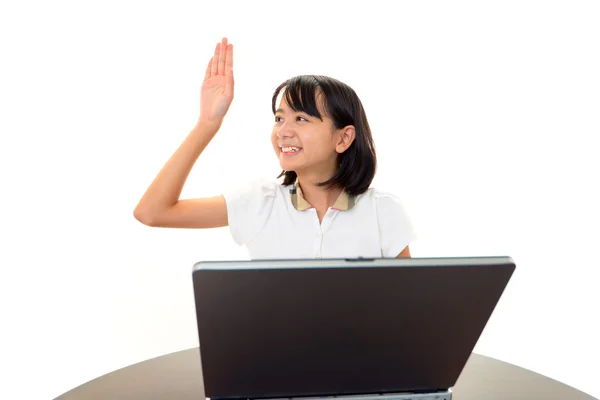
[(306, 144)]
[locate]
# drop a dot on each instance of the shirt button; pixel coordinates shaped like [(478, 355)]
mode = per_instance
[(319, 234)]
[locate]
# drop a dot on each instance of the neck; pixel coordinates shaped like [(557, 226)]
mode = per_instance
[(320, 197)]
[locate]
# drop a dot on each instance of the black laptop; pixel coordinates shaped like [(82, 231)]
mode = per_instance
[(362, 328)]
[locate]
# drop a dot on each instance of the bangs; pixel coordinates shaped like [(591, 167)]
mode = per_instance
[(302, 94)]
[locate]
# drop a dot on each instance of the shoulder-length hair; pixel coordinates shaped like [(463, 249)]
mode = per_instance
[(341, 103)]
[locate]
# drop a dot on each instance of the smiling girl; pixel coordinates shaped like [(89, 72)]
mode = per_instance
[(324, 208)]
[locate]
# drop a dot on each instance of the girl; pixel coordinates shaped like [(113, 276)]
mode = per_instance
[(323, 209)]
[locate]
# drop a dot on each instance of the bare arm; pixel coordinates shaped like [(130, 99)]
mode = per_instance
[(160, 205), (404, 253)]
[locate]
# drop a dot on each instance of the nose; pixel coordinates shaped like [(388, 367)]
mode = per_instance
[(283, 131)]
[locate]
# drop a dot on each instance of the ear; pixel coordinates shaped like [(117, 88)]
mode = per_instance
[(344, 138)]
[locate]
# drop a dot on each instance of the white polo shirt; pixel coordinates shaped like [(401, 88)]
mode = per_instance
[(274, 223)]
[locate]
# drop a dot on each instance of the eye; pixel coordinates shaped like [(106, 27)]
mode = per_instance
[(278, 119), (302, 119)]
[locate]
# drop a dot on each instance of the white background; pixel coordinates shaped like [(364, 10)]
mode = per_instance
[(486, 117)]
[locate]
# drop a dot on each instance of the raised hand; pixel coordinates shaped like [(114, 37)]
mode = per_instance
[(217, 89)]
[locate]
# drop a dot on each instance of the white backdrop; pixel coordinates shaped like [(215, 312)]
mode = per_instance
[(485, 117)]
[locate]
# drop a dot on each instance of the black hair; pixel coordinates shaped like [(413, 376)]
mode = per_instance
[(341, 103)]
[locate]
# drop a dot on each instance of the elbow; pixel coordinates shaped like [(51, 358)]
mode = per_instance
[(143, 217)]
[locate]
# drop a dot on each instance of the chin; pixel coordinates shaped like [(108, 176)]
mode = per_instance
[(291, 163), (286, 166)]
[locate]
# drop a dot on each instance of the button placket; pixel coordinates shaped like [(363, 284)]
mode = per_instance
[(318, 242), (321, 229), (318, 236)]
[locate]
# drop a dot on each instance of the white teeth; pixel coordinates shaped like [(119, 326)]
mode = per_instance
[(289, 149)]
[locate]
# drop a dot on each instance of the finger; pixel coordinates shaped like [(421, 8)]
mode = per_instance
[(208, 69), (213, 69), (222, 54), (230, 83), (229, 59)]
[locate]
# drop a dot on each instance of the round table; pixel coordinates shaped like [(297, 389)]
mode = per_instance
[(178, 376)]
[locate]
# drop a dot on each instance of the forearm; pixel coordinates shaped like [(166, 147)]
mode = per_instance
[(166, 188)]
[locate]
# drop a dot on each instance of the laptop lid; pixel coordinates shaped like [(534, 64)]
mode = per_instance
[(293, 328)]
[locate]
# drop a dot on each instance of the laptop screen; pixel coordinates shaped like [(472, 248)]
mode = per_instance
[(289, 329)]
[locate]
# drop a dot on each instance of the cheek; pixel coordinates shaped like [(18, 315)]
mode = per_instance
[(274, 142), (319, 145)]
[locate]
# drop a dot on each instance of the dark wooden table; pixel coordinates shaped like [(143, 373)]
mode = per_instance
[(178, 376)]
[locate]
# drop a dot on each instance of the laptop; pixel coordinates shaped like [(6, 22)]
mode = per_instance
[(365, 329)]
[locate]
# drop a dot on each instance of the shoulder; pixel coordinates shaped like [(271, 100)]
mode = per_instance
[(255, 189), (381, 198), (396, 230), (249, 206), (389, 207)]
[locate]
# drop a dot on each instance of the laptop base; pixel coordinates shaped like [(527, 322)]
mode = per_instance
[(440, 395)]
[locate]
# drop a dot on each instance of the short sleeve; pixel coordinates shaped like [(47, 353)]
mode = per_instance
[(396, 230), (248, 209)]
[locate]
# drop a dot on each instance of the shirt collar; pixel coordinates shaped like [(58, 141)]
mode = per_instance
[(344, 202)]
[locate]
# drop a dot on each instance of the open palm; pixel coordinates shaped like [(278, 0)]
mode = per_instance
[(217, 89)]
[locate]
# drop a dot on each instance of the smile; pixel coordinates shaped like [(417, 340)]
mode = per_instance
[(290, 150)]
